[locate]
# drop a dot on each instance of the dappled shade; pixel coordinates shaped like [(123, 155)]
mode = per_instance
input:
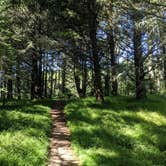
[(119, 131), (24, 133)]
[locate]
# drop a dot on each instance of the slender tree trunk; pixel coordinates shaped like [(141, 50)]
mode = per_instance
[(84, 78), (159, 76), (64, 77), (77, 82), (151, 82), (34, 84), (151, 73), (39, 76), (18, 84), (46, 76), (139, 67), (113, 63), (59, 82), (80, 75), (18, 80), (9, 89), (77, 75), (36, 75), (4, 93), (111, 42), (92, 7), (55, 82), (164, 53), (52, 75), (107, 84)]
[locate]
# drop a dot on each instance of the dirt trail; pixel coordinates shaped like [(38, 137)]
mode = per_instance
[(61, 153)]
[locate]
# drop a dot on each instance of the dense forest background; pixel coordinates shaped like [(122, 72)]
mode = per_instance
[(82, 82), (82, 48)]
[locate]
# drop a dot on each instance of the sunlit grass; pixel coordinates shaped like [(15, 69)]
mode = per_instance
[(121, 131), (24, 131)]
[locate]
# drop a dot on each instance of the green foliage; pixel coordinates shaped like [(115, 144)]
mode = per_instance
[(121, 131), (24, 131)]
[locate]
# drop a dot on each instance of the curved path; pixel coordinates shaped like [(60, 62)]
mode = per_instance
[(60, 153)]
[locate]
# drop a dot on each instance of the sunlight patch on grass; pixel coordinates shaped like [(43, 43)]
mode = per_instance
[(91, 156), (121, 130), (18, 149), (132, 131), (153, 117), (24, 133)]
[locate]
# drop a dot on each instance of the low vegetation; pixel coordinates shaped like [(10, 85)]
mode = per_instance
[(121, 131), (24, 132)]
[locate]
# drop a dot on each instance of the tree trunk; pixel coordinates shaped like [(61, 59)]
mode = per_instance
[(18, 84), (92, 7), (39, 76), (4, 93), (64, 77), (113, 63), (138, 59), (107, 84), (84, 77), (164, 54), (59, 82), (52, 75), (151, 73), (78, 82), (9, 89), (34, 85), (18, 80), (51, 84), (111, 42), (46, 75)]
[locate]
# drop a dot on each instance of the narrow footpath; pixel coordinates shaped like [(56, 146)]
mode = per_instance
[(61, 153)]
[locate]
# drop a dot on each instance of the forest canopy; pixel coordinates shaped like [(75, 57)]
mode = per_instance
[(82, 82), (82, 48)]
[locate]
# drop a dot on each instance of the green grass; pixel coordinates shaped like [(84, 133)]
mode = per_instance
[(119, 132), (24, 131)]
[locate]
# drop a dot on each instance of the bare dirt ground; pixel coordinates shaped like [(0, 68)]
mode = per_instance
[(61, 153)]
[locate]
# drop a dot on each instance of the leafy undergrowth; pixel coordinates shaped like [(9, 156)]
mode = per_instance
[(121, 131), (24, 131)]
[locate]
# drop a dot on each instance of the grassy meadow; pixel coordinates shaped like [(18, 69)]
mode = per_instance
[(24, 131), (119, 132)]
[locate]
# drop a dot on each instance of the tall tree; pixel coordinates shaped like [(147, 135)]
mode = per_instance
[(138, 56), (93, 10)]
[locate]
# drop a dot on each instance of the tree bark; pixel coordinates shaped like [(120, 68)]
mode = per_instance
[(52, 75), (34, 76), (93, 23), (46, 76), (111, 41), (80, 71), (84, 77), (107, 84), (64, 77), (114, 81), (18, 80), (39, 76), (9, 89), (139, 67), (164, 54), (151, 73)]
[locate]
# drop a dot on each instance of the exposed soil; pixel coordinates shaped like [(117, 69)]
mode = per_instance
[(61, 153)]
